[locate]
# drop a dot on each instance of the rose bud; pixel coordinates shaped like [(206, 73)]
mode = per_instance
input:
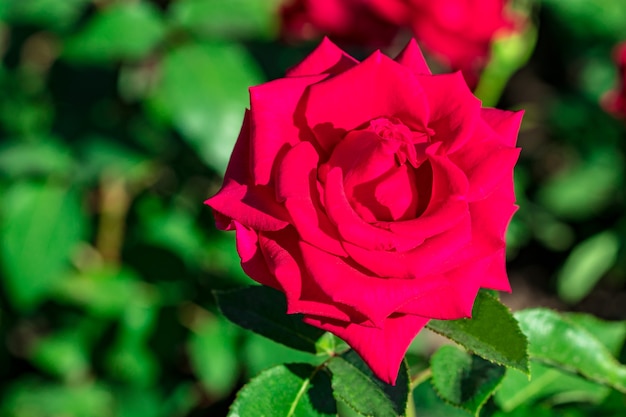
[(615, 101), (373, 194)]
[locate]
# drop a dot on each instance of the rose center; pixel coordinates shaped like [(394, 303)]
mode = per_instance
[(379, 164)]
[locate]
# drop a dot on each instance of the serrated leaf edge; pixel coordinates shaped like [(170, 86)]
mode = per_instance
[(518, 331)]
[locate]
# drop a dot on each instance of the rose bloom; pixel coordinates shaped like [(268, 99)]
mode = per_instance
[(457, 32), (373, 194), (615, 101)]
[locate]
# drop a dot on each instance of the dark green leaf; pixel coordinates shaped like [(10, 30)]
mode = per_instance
[(294, 390), (355, 384), (492, 333), (203, 92), (264, 311), (126, 30), (466, 381), (260, 353), (428, 403), (41, 226), (559, 342)]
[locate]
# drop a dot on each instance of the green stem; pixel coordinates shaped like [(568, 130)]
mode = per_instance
[(420, 377)]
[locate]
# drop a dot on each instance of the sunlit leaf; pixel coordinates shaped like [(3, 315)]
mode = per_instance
[(291, 390), (492, 333), (41, 226), (587, 263)]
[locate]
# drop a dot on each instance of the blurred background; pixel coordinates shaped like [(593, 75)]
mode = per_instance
[(117, 119)]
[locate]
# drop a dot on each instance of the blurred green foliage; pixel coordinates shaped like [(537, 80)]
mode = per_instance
[(116, 121)]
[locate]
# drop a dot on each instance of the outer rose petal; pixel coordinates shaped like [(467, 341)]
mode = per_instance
[(273, 125), (412, 57), (284, 262), (327, 58), (374, 297), (253, 206), (505, 124), (252, 260), (367, 88), (382, 349), (297, 187)]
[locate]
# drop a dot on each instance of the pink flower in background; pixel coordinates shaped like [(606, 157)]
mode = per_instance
[(458, 32), (373, 194), (615, 101)]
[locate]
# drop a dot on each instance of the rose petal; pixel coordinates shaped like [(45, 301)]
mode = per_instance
[(412, 57), (455, 296), (447, 203), (373, 297), (486, 165), (252, 206), (454, 110), (252, 260), (434, 255), (377, 87), (351, 226), (382, 349), (326, 58), (274, 127), (280, 251), (296, 185), (505, 124)]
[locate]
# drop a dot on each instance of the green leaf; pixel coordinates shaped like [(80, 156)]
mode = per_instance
[(293, 390), (34, 398), (203, 92), (591, 19), (561, 386), (41, 226), (492, 333), (47, 157), (546, 382), (354, 383), (584, 189), (49, 13), (122, 31), (466, 381), (559, 342), (259, 353), (63, 354), (264, 311), (587, 263), (213, 353), (428, 403), (227, 18)]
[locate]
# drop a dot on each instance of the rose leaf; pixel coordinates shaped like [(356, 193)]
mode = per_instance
[(492, 333), (561, 386), (354, 383), (464, 380), (563, 343), (290, 390), (263, 310)]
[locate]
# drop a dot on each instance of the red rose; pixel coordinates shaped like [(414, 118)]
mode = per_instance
[(374, 195), (348, 21), (457, 32), (615, 101)]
